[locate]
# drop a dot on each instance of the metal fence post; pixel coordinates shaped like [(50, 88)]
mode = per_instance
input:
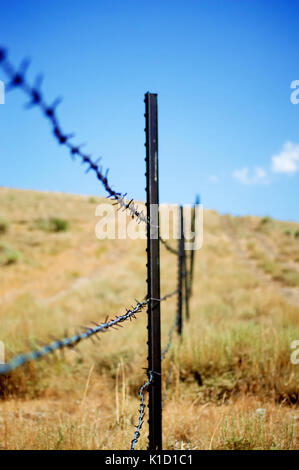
[(197, 202), (181, 250), (187, 285), (153, 273)]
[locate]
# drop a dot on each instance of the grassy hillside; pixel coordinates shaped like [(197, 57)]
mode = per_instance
[(232, 385)]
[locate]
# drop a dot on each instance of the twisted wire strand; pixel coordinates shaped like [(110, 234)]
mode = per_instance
[(146, 385), (72, 341), (18, 80), (22, 359), (141, 410)]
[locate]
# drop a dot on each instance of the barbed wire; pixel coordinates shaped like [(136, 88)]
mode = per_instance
[(18, 80), (141, 410), (72, 341), (145, 386)]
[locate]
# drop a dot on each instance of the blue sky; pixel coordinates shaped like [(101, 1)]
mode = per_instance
[(222, 71)]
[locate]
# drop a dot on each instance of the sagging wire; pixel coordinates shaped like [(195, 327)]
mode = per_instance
[(74, 340)]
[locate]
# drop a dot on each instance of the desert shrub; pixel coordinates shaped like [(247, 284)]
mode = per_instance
[(4, 226), (288, 277), (52, 224), (266, 220), (296, 234), (251, 246), (92, 200), (59, 225), (8, 255), (264, 224), (288, 232), (270, 267)]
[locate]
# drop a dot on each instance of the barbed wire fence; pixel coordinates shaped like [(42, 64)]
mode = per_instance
[(17, 80)]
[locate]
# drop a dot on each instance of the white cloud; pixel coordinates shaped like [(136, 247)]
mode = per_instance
[(260, 173), (287, 161), (214, 179), (257, 176), (241, 175)]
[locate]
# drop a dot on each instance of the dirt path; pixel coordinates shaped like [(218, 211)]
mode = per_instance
[(290, 294)]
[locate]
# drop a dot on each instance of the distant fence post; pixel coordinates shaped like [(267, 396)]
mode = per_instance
[(187, 284), (153, 272), (181, 250), (197, 202)]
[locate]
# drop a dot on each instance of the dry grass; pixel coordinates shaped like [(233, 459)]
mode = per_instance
[(233, 385)]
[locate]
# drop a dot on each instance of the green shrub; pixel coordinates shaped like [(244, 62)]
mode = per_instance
[(296, 234), (92, 200), (288, 277), (58, 225), (288, 232), (266, 220), (52, 224), (8, 255)]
